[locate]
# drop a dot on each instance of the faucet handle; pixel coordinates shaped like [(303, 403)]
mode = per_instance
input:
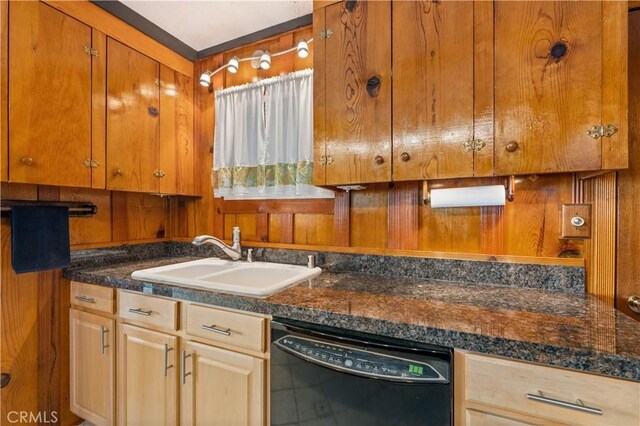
[(250, 255), (236, 234)]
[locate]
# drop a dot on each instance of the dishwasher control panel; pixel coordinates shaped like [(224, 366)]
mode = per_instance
[(360, 362)]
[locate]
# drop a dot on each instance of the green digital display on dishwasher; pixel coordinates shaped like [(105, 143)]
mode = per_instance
[(416, 369)]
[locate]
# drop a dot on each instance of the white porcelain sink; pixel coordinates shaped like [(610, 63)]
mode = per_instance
[(258, 279)]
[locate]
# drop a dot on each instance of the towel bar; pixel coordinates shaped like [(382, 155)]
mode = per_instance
[(76, 208)]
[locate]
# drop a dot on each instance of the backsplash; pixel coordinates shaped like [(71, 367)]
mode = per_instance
[(543, 277)]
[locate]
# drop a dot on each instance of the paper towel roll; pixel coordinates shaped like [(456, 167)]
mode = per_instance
[(492, 195)]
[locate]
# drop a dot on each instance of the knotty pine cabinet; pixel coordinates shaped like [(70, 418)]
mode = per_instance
[(149, 124), (85, 110), (479, 89), (560, 86), (352, 93), (50, 92)]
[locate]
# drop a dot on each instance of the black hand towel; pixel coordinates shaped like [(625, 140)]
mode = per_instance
[(39, 238)]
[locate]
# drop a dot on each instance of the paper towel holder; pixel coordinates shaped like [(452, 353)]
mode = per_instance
[(509, 187)]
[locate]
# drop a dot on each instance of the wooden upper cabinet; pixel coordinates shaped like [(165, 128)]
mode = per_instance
[(133, 123), (442, 89), (49, 97), (551, 59), (176, 161), (352, 62)]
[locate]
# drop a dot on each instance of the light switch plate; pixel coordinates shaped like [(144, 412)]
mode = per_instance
[(575, 221)]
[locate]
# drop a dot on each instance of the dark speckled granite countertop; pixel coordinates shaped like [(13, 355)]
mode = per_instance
[(562, 329)]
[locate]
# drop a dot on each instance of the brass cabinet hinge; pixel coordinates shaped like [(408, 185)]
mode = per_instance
[(473, 145), (90, 51), (87, 164), (94, 164), (158, 173), (91, 164), (599, 131), (326, 160), (326, 33)]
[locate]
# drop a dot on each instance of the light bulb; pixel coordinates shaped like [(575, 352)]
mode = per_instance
[(303, 48), (233, 65), (265, 61), (205, 79)]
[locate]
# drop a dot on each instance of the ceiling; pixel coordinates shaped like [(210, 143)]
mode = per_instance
[(205, 23)]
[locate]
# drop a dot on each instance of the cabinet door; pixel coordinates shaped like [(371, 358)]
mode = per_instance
[(435, 75), (548, 86), (133, 122), (92, 367), (49, 97), (176, 133), (357, 92), (147, 377), (220, 387)]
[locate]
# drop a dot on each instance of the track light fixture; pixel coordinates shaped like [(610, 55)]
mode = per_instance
[(265, 61), (259, 59), (303, 48), (233, 64), (205, 78)]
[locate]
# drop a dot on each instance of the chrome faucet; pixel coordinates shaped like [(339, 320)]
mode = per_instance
[(234, 251)]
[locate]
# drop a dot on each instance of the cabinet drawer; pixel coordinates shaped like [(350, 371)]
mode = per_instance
[(506, 384), (232, 328), (148, 309), (92, 296)]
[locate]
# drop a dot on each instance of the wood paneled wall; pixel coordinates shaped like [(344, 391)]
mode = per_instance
[(383, 216), (121, 217)]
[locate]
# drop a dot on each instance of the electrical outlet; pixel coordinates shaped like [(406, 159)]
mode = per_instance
[(575, 221)]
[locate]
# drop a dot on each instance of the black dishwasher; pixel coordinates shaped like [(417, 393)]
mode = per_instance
[(329, 376)]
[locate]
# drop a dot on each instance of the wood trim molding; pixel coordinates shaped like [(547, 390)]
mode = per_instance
[(342, 219), (309, 206), (113, 27), (403, 216), (600, 250)]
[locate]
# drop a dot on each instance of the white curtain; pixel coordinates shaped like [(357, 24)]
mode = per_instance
[(263, 143)]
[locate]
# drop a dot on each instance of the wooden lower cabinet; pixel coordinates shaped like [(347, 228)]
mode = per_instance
[(479, 418), (147, 377), (221, 387), (92, 367), (498, 391)]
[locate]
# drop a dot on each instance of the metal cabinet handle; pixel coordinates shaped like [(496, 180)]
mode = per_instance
[(183, 366), (85, 299), (28, 161), (166, 359), (153, 111), (103, 331), (379, 159), (117, 172), (578, 406), (215, 329), (139, 311)]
